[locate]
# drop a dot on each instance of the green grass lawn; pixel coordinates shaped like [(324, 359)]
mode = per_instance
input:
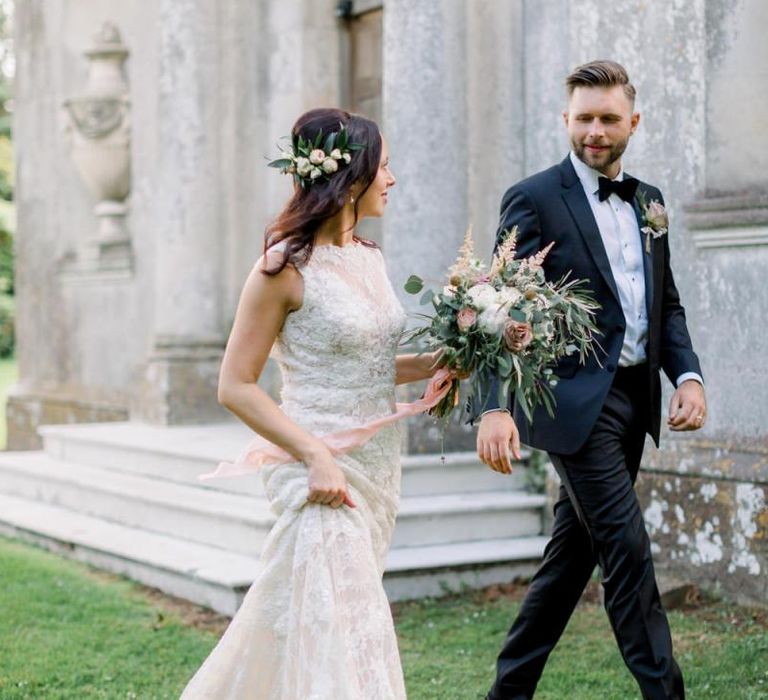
[(66, 632), (449, 649), (8, 375), (69, 632)]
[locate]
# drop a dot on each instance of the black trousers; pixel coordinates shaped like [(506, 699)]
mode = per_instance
[(597, 521)]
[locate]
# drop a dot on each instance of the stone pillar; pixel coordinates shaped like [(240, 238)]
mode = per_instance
[(547, 62), (425, 123), (453, 116), (737, 98), (180, 376), (495, 111)]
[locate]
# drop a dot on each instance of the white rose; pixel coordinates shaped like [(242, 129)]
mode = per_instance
[(330, 165), (508, 296), (303, 166), (492, 320), (336, 154), (482, 296), (316, 173), (317, 156), (347, 157)]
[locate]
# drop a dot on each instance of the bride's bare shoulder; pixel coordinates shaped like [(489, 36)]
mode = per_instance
[(272, 281)]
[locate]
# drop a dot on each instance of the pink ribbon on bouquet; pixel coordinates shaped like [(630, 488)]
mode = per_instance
[(260, 451)]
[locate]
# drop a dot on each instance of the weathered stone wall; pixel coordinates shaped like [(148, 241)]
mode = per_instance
[(706, 508), (80, 336), (213, 86)]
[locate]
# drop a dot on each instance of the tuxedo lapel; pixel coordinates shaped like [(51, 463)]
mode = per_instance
[(576, 201), (647, 256)]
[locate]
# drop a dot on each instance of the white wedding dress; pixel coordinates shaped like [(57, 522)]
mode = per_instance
[(316, 624)]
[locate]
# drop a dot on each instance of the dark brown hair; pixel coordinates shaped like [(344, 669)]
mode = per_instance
[(313, 204), (601, 74)]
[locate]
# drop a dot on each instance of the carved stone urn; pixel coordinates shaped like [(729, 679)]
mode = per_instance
[(98, 127)]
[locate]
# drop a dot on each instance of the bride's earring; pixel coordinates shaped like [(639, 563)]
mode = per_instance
[(351, 199)]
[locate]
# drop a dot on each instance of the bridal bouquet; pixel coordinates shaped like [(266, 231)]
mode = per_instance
[(507, 321)]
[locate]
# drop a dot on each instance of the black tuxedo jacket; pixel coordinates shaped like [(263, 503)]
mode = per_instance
[(551, 207)]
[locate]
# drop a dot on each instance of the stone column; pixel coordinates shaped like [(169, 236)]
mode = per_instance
[(425, 125), (737, 98), (180, 376), (495, 110), (547, 62)]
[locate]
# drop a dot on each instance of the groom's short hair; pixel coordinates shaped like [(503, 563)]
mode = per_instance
[(602, 73)]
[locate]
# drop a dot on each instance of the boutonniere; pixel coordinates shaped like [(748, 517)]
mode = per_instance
[(655, 220)]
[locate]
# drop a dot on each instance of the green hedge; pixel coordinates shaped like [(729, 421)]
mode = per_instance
[(7, 325)]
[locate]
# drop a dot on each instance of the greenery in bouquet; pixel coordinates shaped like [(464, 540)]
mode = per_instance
[(507, 322)]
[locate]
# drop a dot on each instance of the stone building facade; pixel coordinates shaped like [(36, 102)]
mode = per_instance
[(469, 94)]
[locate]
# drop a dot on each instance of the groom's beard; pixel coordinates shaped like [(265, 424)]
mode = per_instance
[(599, 161)]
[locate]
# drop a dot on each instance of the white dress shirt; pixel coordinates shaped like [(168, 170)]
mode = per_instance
[(621, 237)]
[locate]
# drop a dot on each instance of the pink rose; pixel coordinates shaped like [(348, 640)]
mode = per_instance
[(465, 319), (656, 215), (517, 336)]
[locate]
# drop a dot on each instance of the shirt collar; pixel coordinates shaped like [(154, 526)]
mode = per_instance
[(589, 176)]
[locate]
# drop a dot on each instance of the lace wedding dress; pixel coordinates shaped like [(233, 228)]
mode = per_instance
[(316, 623)]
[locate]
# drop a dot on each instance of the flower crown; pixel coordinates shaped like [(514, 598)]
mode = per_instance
[(308, 162)]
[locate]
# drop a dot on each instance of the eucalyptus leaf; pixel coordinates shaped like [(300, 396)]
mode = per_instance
[(414, 284), (505, 365)]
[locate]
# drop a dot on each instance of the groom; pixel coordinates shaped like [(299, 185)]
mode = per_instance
[(609, 229)]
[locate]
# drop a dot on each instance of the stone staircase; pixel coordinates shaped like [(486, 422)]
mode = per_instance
[(125, 497)]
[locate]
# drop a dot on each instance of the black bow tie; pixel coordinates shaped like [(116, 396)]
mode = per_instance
[(625, 188)]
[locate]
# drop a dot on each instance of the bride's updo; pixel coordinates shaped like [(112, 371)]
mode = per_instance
[(314, 201)]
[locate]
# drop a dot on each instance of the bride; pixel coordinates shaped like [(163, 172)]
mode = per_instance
[(316, 623)]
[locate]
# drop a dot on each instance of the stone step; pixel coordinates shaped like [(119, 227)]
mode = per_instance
[(241, 522), (174, 453), (469, 517), (182, 453), (229, 521), (205, 575), (218, 579), (436, 570), (459, 472)]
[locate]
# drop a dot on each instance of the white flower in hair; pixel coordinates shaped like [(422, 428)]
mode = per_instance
[(303, 166), (307, 160)]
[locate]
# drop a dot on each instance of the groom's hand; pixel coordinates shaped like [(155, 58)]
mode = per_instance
[(496, 436), (688, 407)]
